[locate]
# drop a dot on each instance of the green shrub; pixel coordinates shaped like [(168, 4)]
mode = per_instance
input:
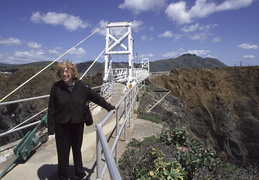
[(145, 160), (176, 137)]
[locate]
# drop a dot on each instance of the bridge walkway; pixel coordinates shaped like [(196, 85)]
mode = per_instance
[(42, 164)]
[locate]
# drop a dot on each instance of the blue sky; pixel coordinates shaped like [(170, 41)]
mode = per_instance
[(42, 30)]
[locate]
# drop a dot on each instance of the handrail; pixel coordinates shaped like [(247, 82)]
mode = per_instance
[(23, 100), (128, 100), (33, 123), (113, 170)]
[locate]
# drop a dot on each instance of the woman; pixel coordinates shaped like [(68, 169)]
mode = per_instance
[(66, 109)]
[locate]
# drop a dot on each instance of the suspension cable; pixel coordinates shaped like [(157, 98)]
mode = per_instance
[(51, 63)]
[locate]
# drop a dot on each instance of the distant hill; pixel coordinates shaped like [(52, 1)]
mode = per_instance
[(14, 67), (184, 61)]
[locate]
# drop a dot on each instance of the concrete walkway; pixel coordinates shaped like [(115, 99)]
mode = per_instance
[(43, 162)]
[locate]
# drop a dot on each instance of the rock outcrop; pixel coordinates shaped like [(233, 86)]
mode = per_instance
[(223, 107)]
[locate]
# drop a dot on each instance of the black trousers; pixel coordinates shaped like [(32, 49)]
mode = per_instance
[(69, 135)]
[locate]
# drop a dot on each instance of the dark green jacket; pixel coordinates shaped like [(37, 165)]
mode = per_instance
[(65, 106)]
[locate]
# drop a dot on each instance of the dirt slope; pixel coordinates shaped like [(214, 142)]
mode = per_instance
[(223, 106)]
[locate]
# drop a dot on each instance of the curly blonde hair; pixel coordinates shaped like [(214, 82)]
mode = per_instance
[(69, 65)]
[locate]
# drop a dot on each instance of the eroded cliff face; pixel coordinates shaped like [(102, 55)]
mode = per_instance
[(223, 107)]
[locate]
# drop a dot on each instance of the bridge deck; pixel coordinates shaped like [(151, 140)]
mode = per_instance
[(43, 163)]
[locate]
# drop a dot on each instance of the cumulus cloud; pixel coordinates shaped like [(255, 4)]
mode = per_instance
[(138, 6), (166, 34), (200, 36), (190, 28), (78, 53), (137, 25), (171, 54), (181, 51), (216, 39), (101, 31), (146, 55), (249, 56), (10, 42), (35, 54), (248, 46), (179, 12), (70, 22), (56, 51), (170, 34), (34, 45), (146, 38), (199, 32), (27, 56), (198, 52)]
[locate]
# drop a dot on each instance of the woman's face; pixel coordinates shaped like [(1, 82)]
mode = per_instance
[(66, 76)]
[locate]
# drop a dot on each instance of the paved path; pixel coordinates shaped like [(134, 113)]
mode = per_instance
[(43, 163)]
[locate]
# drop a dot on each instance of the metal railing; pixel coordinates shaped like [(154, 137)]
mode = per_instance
[(124, 111), (17, 128), (160, 73)]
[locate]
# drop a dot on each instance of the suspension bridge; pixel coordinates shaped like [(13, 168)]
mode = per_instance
[(34, 158)]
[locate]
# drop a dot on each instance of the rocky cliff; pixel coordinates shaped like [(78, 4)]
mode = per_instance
[(222, 105)]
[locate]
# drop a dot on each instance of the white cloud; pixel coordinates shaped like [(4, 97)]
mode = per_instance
[(166, 34), (179, 13), (171, 54), (207, 27), (190, 28), (216, 39), (198, 52), (78, 53), (34, 45), (38, 54), (138, 6), (101, 31), (136, 25), (70, 22), (249, 56), (55, 51), (146, 55), (146, 38), (199, 32), (32, 55), (169, 34), (248, 46), (182, 51), (199, 36), (29, 54), (10, 42)]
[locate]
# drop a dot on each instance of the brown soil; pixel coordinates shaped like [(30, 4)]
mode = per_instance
[(223, 107)]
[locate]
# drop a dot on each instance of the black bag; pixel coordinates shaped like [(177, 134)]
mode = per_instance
[(88, 116)]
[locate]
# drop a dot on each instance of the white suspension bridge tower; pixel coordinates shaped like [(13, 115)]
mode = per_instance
[(119, 42)]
